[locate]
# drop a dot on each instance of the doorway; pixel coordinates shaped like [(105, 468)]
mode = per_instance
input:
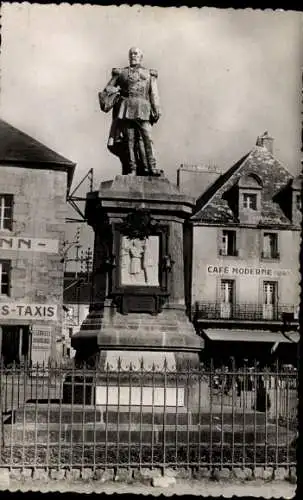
[(270, 300), (15, 344), (227, 298)]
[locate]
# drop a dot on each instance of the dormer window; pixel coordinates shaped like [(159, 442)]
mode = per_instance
[(292, 201), (298, 202), (250, 188), (250, 201)]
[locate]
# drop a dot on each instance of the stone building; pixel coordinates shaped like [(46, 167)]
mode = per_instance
[(244, 293), (34, 183)]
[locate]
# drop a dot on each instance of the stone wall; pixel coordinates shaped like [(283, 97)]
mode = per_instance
[(148, 476)]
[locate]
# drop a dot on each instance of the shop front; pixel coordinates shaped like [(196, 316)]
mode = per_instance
[(15, 344), (27, 333), (250, 346)]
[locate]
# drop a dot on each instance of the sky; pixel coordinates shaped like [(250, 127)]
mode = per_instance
[(225, 76)]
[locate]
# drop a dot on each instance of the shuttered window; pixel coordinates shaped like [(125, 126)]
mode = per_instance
[(228, 243), (270, 246)]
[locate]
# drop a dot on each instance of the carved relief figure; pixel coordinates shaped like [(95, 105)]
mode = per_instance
[(136, 269), (125, 260), (139, 261), (150, 261)]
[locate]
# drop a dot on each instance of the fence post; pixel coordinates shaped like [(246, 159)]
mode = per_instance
[(1, 409)]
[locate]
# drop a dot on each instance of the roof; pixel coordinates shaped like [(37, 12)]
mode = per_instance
[(19, 149), (212, 207)]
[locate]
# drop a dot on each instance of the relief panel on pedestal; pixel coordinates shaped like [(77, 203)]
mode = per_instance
[(140, 276)]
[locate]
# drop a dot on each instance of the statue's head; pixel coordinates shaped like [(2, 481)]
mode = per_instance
[(135, 56)]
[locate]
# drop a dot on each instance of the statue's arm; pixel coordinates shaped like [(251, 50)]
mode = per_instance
[(154, 95), (111, 92), (113, 82)]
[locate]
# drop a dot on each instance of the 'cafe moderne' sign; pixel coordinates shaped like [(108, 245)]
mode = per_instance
[(247, 271), (17, 310)]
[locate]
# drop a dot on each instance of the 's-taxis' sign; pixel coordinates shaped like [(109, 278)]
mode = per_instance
[(18, 310)]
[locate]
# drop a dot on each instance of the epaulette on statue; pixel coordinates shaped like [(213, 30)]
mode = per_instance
[(116, 71)]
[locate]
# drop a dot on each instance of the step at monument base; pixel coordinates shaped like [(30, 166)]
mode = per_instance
[(67, 413), (135, 434), (62, 424)]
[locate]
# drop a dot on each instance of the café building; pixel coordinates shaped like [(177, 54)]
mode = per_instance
[(244, 295)]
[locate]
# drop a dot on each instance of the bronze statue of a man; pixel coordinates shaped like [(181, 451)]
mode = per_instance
[(132, 94)]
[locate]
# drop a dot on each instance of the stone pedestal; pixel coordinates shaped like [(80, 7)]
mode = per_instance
[(131, 318)]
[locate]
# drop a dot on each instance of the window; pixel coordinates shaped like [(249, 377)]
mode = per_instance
[(4, 277), (250, 201), (270, 246), (6, 211), (298, 202), (228, 243)]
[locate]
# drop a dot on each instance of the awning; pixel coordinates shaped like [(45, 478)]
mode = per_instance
[(250, 335)]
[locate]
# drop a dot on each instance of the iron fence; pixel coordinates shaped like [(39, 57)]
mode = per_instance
[(63, 417)]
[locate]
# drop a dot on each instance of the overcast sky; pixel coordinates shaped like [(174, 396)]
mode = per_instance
[(225, 76)]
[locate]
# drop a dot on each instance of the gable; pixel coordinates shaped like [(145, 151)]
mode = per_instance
[(273, 177)]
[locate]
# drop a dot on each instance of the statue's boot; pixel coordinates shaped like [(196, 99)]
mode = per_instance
[(153, 170), (156, 173)]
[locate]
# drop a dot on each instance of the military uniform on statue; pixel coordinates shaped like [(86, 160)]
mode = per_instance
[(133, 96)]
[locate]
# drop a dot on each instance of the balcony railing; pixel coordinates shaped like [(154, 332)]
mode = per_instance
[(243, 311)]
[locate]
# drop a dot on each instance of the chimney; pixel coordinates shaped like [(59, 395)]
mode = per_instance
[(195, 179), (265, 141)]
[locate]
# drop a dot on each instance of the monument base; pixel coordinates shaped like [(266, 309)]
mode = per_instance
[(141, 359), (139, 396), (169, 335), (140, 378), (131, 378)]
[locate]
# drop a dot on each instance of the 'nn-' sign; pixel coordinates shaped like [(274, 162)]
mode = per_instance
[(29, 244)]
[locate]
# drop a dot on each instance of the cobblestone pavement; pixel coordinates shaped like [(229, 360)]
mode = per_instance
[(256, 488)]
